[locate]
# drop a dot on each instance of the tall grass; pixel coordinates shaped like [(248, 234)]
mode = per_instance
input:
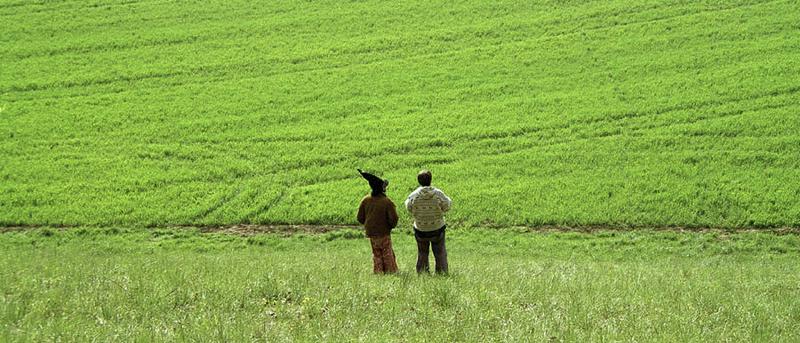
[(505, 285)]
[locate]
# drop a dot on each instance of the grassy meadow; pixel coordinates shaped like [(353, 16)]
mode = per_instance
[(506, 285), (126, 126), (633, 113)]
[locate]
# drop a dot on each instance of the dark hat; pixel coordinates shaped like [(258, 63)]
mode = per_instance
[(377, 184)]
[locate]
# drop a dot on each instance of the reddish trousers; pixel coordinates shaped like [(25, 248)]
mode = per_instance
[(383, 260)]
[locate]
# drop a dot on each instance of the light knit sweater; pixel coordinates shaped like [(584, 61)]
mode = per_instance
[(428, 205)]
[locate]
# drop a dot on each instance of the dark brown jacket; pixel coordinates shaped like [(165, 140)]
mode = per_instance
[(378, 215)]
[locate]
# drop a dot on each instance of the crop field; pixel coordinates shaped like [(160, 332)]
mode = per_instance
[(186, 171), (632, 113)]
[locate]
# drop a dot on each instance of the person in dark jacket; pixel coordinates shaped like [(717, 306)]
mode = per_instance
[(379, 216)]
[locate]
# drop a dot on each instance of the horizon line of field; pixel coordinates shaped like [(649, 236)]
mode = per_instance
[(206, 37), (192, 38), (303, 228), (215, 72)]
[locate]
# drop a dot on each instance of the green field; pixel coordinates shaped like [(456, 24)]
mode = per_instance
[(632, 113), (181, 285), (620, 170)]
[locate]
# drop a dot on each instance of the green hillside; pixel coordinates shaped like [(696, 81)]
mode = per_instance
[(633, 113)]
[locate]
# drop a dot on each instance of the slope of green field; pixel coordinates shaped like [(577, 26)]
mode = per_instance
[(538, 112)]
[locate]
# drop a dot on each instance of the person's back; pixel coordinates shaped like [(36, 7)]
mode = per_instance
[(378, 214), (427, 205)]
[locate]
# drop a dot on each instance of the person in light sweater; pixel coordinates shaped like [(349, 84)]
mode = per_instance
[(428, 205), (379, 216)]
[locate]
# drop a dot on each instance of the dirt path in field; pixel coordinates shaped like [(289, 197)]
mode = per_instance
[(291, 229), (252, 229)]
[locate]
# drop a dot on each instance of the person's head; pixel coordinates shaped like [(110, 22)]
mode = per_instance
[(424, 178), (380, 190), (377, 184)]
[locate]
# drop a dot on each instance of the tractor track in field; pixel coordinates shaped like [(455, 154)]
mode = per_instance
[(622, 130), (290, 229)]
